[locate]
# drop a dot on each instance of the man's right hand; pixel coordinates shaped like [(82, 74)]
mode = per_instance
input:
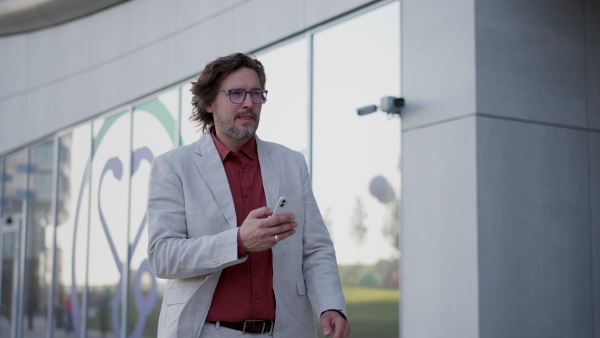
[(258, 230)]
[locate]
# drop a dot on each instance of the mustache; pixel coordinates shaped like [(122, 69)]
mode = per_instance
[(245, 112)]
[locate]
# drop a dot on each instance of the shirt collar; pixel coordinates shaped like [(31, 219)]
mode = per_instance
[(249, 149)]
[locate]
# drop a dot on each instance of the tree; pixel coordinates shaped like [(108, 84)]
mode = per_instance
[(328, 219), (391, 226), (357, 222)]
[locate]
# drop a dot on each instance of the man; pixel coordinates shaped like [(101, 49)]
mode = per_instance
[(234, 268)]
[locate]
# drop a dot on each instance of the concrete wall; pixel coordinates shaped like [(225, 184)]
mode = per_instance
[(500, 168), (56, 77), (439, 282), (534, 168)]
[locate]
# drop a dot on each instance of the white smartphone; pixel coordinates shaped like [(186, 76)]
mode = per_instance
[(287, 205)]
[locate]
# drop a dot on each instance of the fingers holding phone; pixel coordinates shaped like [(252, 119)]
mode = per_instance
[(286, 206), (259, 233)]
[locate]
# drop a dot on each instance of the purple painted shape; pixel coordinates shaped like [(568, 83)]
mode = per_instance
[(143, 304)]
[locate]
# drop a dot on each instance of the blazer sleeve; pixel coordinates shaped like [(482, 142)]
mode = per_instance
[(171, 252)]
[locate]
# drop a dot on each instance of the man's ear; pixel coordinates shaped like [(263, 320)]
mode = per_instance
[(208, 108)]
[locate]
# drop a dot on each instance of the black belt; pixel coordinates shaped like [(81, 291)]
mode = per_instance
[(249, 325)]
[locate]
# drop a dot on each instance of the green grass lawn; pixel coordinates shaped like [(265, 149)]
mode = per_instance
[(373, 312)]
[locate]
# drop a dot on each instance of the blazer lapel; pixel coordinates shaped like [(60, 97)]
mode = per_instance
[(211, 169), (269, 168)]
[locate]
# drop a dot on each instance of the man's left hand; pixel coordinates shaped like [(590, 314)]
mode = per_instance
[(332, 321)]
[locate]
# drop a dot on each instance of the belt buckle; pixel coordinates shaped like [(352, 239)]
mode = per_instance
[(262, 330)]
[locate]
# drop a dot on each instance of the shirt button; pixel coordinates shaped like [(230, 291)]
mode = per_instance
[(254, 273), (255, 300)]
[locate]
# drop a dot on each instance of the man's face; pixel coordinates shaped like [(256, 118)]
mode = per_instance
[(236, 123)]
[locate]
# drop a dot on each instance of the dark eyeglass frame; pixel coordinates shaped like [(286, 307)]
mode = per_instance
[(263, 95)]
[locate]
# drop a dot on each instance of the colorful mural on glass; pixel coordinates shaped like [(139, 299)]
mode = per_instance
[(115, 167)]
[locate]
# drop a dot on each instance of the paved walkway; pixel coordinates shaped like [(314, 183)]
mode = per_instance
[(39, 330)]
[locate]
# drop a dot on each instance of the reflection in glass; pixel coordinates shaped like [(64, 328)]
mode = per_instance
[(108, 234), (9, 264), (154, 124), (356, 175), (284, 118), (15, 176), (102, 182), (190, 132), (38, 255), (72, 230), (13, 198)]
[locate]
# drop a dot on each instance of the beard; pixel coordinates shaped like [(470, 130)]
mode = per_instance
[(247, 130)]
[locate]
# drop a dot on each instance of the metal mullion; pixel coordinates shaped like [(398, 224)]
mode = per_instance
[(54, 206), (126, 265), (2, 231), (23, 249), (311, 103), (177, 142), (14, 329), (2, 179), (84, 292)]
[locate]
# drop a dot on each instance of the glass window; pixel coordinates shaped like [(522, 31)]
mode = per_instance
[(154, 124), (189, 131), (15, 183), (103, 169), (109, 209), (74, 162), (13, 197), (284, 118), (356, 175), (9, 254), (40, 234)]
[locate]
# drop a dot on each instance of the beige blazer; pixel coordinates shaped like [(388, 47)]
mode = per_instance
[(193, 237)]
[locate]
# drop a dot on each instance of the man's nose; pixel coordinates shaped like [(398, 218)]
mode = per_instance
[(248, 101)]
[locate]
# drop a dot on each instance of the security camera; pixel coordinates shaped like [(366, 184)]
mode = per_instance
[(366, 110), (391, 105)]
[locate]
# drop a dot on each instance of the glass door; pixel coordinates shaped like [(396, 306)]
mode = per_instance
[(356, 162), (10, 232), (15, 169)]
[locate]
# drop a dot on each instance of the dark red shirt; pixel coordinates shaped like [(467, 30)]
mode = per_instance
[(245, 290)]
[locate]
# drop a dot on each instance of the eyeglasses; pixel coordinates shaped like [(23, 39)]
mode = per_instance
[(238, 96)]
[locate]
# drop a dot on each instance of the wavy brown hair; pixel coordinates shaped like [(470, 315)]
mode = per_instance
[(207, 84)]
